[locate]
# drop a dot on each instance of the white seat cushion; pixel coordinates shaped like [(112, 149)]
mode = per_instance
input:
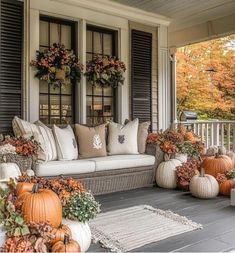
[(56, 168), (122, 161)]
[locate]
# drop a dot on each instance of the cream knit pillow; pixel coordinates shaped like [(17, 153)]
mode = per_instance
[(122, 139)]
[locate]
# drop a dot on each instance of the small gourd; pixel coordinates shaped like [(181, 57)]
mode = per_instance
[(60, 232), (166, 173), (226, 187), (181, 157), (204, 186), (67, 245)]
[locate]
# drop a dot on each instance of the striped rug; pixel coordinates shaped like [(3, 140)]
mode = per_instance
[(130, 228)]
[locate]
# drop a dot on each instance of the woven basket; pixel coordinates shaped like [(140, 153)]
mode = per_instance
[(24, 162)]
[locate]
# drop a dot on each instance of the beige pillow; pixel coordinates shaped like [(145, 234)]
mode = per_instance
[(142, 135), (123, 139), (91, 141)]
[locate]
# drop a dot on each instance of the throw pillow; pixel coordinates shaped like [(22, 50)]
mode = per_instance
[(27, 129), (142, 135), (66, 143), (49, 139), (91, 141), (123, 139)]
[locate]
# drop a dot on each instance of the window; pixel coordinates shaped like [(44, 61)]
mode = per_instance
[(56, 104), (100, 101)]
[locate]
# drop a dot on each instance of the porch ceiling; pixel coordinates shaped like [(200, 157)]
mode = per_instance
[(185, 13)]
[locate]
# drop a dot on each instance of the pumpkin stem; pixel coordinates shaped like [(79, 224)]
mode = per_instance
[(166, 157), (35, 188), (218, 153), (66, 239), (202, 172)]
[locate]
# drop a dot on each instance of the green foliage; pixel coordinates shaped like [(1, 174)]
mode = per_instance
[(188, 148), (82, 207), (10, 217)]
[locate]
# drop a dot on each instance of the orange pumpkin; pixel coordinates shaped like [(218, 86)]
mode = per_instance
[(23, 187), (60, 233), (189, 136), (68, 245), (41, 206), (217, 164), (226, 186)]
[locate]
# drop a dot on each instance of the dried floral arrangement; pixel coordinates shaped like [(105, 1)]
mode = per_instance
[(177, 141), (105, 71), (57, 65), (21, 146), (26, 235), (186, 171)]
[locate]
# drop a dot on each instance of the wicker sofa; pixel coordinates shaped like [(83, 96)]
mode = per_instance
[(107, 174)]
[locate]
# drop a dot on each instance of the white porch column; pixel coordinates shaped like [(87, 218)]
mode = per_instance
[(33, 102), (173, 84), (164, 86)]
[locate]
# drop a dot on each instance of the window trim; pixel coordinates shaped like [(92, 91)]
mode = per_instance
[(74, 32)]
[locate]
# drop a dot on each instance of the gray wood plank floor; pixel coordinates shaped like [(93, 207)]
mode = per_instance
[(216, 216)]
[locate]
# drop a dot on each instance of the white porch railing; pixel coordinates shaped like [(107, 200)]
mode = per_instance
[(219, 133)]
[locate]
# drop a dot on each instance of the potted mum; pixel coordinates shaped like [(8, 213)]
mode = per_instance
[(57, 65), (105, 71)]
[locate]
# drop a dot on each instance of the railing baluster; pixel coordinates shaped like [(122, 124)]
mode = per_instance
[(222, 134), (207, 136), (228, 137), (233, 137), (202, 132), (212, 134)]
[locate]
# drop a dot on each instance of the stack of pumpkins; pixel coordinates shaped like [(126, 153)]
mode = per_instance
[(202, 185), (43, 205)]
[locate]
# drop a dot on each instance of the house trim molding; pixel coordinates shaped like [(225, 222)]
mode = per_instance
[(120, 10)]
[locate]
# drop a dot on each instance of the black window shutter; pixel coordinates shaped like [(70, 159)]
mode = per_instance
[(141, 71), (11, 57)]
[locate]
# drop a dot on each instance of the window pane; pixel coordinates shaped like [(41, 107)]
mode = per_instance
[(54, 33), (89, 89), (89, 121), (98, 90), (43, 86), (108, 107), (66, 89), (66, 36), (55, 105), (108, 91), (55, 120), (44, 40), (88, 41), (89, 106), (66, 106), (66, 120), (89, 57), (97, 107), (107, 44), (97, 43)]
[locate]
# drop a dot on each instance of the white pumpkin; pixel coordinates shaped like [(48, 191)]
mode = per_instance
[(3, 236), (9, 170), (80, 232), (181, 157), (231, 154), (166, 173), (204, 186), (213, 150), (30, 173)]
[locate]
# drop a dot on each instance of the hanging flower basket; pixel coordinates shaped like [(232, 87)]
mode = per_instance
[(57, 65), (105, 71)]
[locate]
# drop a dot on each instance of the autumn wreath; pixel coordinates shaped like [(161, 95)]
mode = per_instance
[(57, 65), (105, 71)]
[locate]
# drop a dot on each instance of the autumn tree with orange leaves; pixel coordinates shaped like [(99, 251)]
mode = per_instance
[(206, 78)]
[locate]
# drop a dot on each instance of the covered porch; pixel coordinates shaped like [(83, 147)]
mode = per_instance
[(142, 37)]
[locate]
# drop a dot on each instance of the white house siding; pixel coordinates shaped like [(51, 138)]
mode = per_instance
[(85, 16)]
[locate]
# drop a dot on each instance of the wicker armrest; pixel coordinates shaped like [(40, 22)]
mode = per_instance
[(154, 149)]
